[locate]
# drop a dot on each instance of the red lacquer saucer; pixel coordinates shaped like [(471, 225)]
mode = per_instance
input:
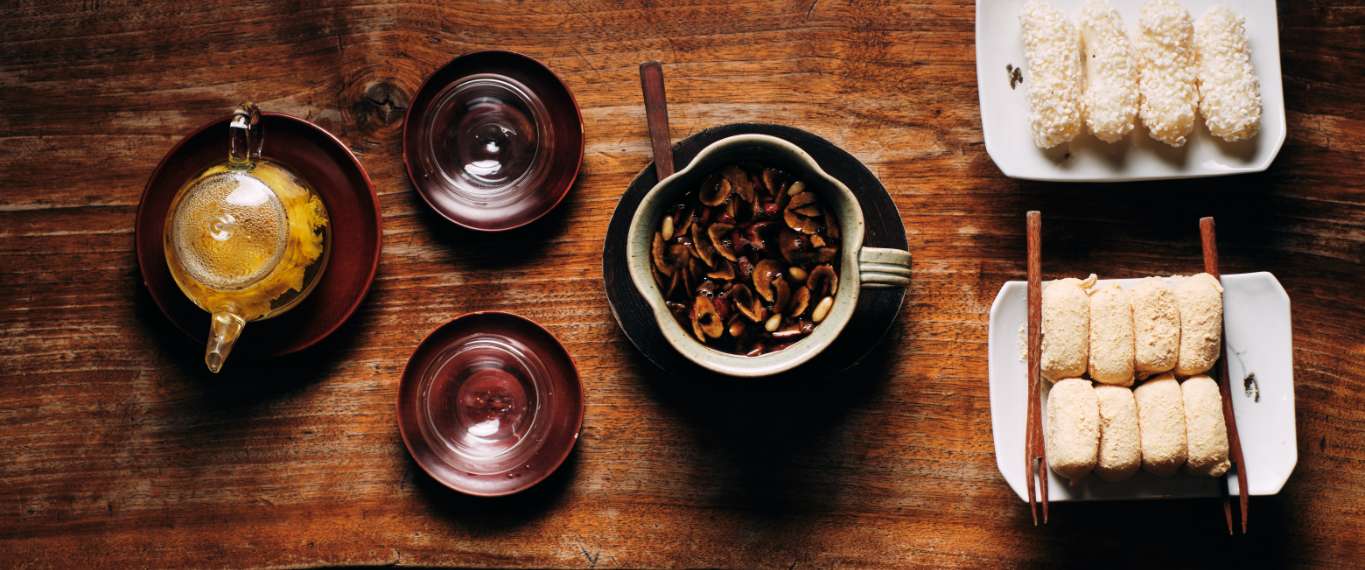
[(490, 404), (329, 167), (493, 141)]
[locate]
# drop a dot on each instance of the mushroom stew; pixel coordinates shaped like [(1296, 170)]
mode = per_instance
[(748, 262)]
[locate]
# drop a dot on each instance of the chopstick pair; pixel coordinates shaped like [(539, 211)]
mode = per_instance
[(1035, 454)]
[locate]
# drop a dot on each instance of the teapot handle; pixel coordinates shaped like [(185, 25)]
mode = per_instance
[(224, 328), (245, 136)]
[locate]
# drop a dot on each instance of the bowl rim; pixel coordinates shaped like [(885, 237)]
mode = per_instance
[(576, 385), (772, 363), (562, 194)]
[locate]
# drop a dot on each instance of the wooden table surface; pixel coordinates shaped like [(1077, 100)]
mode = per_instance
[(119, 449)]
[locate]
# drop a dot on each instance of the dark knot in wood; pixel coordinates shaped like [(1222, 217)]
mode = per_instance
[(383, 103)]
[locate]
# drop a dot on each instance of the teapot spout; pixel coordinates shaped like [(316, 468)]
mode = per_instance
[(223, 332)]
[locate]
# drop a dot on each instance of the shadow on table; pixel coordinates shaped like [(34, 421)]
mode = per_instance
[(246, 380), (1166, 534), (772, 447), (506, 250), (491, 515)]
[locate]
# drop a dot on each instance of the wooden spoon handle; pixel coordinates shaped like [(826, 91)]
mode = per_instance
[(656, 114)]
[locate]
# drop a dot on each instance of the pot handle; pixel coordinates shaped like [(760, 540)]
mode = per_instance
[(883, 267)]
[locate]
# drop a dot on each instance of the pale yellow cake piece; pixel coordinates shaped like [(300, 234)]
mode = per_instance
[(1206, 434), (1073, 428), (1161, 424)]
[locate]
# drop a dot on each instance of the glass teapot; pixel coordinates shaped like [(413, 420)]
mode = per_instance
[(246, 239)]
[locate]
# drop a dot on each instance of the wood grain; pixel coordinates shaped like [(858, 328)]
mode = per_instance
[(122, 451)]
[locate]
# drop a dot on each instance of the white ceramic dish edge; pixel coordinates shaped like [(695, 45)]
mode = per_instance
[(1004, 111), (1257, 329)]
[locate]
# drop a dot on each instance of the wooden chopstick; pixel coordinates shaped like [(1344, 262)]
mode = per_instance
[(1209, 241), (1034, 450)]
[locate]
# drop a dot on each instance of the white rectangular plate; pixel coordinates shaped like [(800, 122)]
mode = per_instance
[(1004, 111), (1256, 327)]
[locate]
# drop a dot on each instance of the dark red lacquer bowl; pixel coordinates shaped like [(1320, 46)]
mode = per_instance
[(329, 167), (493, 140), (490, 404)]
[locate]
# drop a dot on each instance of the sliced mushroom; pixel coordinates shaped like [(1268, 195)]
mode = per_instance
[(758, 235), (741, 183), (715, 190), (796, 273), (803, 201), (739, 242), (745, 268), (794, 247), (720, 239), (678, 254), (746, 303), (796, 188), (782, 294), (703, 247), (826, 254), (817, 241), (724, 308), (725, 271), (708, 288), (799, 215), (706, 322), (658, 252), (823, 281), (683, 221), (800, 301), (765, 273), (805, 204)]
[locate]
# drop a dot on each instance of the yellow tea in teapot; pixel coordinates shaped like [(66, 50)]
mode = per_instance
[(248, 238)]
